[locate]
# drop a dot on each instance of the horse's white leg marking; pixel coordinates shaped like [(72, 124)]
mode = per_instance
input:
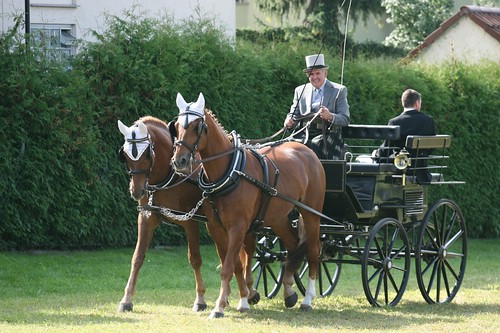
[(310, 295), (243, 305)]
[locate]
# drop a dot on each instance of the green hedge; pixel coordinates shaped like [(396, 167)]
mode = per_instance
[(64, 188)]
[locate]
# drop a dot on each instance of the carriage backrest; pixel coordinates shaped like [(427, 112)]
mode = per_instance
[(428, 142)]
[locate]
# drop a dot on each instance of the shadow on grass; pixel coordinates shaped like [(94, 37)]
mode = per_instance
[(40, 317)]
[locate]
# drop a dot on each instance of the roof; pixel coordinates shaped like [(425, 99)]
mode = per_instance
[(487, 18)]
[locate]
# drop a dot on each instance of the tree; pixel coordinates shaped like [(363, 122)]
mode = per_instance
[(414, 20), (322, 16)]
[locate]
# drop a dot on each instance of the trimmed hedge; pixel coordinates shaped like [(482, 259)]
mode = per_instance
[(64, 188)]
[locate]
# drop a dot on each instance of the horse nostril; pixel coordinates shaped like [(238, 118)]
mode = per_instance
[(183, 161), (180, 162)]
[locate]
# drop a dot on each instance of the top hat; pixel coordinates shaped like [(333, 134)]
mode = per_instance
[(315, 61)]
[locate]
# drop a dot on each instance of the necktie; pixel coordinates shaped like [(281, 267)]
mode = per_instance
[(317, 99)]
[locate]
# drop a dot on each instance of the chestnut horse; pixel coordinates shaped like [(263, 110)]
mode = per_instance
[(147, 151), (243, 186)]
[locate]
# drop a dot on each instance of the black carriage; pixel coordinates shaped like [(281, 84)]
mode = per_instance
[(381, 218)]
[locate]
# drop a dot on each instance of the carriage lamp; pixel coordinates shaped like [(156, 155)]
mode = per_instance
[(401, 162)]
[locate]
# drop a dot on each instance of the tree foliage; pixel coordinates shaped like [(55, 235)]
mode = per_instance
[(322, 17), (64, 188), (414, 20)]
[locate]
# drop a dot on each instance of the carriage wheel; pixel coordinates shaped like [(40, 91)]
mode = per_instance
[(268, 269), (328, 274), (441, 252), (385, 263)]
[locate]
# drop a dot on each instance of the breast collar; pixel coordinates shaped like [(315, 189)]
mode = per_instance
[(231, 178)]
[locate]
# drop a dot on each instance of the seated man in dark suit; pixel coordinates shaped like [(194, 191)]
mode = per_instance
[(411, 122)]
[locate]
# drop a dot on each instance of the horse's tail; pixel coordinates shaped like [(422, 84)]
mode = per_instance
[(296, 257)]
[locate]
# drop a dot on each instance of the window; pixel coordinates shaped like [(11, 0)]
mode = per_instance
[(57, 40)]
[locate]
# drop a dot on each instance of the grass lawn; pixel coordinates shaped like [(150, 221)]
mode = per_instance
[(80, 292)]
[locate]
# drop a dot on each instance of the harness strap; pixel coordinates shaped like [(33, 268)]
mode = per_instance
[(272, 191), (265, 198)]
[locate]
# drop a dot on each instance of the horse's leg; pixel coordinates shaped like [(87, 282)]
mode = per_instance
[(289, 237), (311, 234), (145, 229), (232, 265), (192, 230), (247, 257)]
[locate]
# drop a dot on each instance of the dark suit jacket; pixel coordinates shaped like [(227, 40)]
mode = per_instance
[(412, 122)]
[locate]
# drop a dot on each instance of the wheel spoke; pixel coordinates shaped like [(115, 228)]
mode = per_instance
[(379, 284), (431, 263), (441, 252), (393, 282), (451, 269), (445, 280), (393, 240), (453, 219), (383, 281), (271, 272), (433, 275), (377, 272), (453, 239), (379, 248), (438, 281)]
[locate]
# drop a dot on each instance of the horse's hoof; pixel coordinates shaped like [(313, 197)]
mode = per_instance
[(243, 310), (125, 307), (255, 299), (199, 307), (305, 307), (215, 314), (291, 300)]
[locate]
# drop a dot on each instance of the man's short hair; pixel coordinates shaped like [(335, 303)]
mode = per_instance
[(410, 97)]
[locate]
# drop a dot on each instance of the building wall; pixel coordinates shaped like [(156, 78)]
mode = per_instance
[(85, 15), (375, 29), (465, 41)]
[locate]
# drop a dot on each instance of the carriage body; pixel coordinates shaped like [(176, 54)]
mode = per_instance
[(384, 218)]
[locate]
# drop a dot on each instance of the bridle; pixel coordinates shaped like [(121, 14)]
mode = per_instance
[(202, 127), (150, 148)]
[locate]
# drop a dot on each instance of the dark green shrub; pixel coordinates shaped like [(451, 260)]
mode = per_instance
[(63, 186)]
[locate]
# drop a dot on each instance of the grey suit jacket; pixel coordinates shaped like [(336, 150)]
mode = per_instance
[(334, 98)]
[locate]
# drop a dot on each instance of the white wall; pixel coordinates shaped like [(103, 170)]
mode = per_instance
[(88, 14), (465, 41)]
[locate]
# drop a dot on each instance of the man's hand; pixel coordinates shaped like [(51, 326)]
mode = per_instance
[(289, 122), (325, 114)]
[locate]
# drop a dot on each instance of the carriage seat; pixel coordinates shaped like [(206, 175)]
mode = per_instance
[(382, 132), (370, 168)]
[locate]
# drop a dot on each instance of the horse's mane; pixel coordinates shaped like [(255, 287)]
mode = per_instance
[(153, 120), (211, 114)]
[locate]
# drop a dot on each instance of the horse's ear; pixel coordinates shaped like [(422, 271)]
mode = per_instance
[(143, 129), (123, 129), (172, 129), (200, 103), (181, 103)]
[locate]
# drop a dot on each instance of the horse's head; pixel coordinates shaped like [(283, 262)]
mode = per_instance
[(189, 129), (138, 153)]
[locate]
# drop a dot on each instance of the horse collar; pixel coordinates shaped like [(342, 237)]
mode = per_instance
[(232, 177)]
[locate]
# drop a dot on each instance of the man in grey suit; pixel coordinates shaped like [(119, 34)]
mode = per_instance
[(329, 100)]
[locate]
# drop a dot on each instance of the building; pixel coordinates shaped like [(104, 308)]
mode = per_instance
[(375, 29), (61, 21), (471, 35)]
